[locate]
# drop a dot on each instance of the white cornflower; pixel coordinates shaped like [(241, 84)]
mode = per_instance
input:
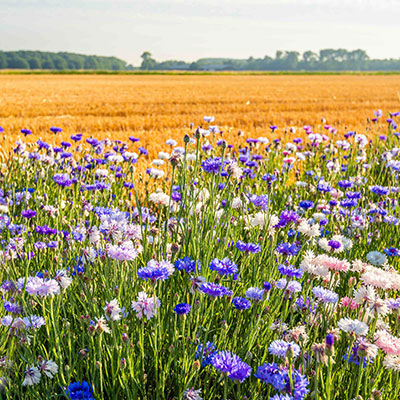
[(355, 326), (376, 258), (49, 368), (32, 377), (159, 198), (113, 310), (163, 155)]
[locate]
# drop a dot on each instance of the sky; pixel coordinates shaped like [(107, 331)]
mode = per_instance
[(191, 29)]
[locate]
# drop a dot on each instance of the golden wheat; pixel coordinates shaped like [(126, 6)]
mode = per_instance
[(156, 108)]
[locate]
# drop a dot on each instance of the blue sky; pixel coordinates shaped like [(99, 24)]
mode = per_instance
[(191, 29)]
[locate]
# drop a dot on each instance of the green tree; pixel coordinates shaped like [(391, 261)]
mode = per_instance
[(148, 63)]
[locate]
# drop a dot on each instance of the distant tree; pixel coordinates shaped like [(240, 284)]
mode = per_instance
[(3, 60), (34, 63), (148, 63)]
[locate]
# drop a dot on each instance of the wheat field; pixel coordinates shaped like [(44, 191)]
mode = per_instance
[(155, 108)]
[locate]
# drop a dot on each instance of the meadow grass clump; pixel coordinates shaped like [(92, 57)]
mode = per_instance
[(245, 270)]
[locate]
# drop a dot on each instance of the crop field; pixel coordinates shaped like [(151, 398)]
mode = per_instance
[(156, 108), (145, 258)]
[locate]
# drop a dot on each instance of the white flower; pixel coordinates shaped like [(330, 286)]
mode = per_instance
[(364, 294), (32, 377), (376, 258), (113, 310), (156, 173), (392, 362), (259, 219), (49, 368), (102, 173), (355, 326), (159, 198), (263, 140), (237, 203), (145, 305), (158, 163), (163, 155)]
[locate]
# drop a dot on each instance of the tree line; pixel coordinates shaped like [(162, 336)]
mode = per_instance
[(324, 60), (59, 61)]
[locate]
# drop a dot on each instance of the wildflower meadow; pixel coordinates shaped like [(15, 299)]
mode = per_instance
[(258, 268)]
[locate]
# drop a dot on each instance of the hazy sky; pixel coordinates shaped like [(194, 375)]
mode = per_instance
[(191, 29)]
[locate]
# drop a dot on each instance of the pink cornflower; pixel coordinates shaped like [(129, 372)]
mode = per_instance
[(145, 305)]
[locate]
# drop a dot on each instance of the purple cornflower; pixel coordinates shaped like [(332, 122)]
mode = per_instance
[(287, 249), (224, 266), (182, 308), (323, 187), (215, 290), (248, 247), (212, 165), (143, 151), (63, 180), (392, 251), (133, 139), (286, 217), (255, 293), (306, 204), (232, 365), (288, 270), (55, 130), (26, 132), (45, 230), (325, 295), (28, 213), (334, 244), (188, 265), (153, 274), (261, 201), (380, 190), (206, 353), (349, 203), (240, 303), (283, 349)]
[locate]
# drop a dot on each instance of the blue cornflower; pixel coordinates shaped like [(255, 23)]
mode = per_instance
[(287, 249), (206, 353), (380, 190), (261, 201), (80, 391), (26, 132), (143, 151), (212, 165), (231, 364), (248, 247), (349, 203), (28, 213), (392, 251), (255, 293), (182, 308), (282, 349), (55, 129), (154, 274), (224, 266), (323, 187), (325, 295), (306, 204), (286, 217), (63, 180), (215, 290), (240, 303), (345, 184), (188, 265), (288, 270)]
